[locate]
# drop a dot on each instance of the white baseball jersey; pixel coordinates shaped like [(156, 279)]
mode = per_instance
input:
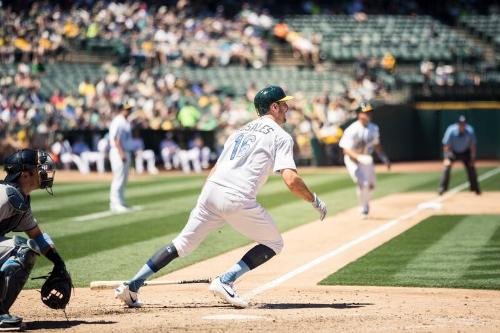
[(228, 196), (250, 154), (361, 139), (120, 128)]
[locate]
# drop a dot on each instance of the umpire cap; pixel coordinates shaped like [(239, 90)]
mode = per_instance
[(267, 96)]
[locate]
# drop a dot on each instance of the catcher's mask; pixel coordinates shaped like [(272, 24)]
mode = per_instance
[(28, 160)]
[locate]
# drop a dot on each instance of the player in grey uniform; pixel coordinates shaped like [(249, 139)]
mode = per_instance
[(229, 195), (120, 140), (27, 170)]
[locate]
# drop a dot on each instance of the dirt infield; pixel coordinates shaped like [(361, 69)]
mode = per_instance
[(297, 304)]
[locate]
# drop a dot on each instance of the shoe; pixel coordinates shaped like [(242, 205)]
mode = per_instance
[(120, 209), (129, 297), (227, 293), (441, 192), (10, 322), (478, 192), (364, 213)]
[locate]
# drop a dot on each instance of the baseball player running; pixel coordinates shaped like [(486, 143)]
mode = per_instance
[(229, 195), (358, 142), (27, 170), (120, 139)]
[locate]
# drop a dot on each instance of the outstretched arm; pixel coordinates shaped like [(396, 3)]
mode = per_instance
[(296, 184), (298, 187)]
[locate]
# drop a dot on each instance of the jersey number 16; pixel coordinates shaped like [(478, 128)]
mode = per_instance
[(242, 144)]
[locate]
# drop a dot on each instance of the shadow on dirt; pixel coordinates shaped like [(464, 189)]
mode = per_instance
[(62, 324), (285, 306)]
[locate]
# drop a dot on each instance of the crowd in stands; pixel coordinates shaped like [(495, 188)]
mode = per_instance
[(161, 102), (178, 34)]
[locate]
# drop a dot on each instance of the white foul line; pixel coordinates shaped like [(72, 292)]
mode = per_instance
[(107, 213), (276, 282)]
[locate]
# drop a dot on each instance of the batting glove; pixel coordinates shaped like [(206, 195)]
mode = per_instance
[(320, 206)]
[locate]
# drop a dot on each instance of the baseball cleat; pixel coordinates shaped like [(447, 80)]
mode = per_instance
[(129, 297), (364, 213), (227, 293), (9, 322), (120, 209)]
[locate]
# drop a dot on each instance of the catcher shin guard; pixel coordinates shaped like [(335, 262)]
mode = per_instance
[(15, 272), (258, 255)]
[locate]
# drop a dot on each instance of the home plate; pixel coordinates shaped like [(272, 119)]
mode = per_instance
[(232, 316)]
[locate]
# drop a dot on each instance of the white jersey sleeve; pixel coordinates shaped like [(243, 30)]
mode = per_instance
[(284, 155), (347, 140)]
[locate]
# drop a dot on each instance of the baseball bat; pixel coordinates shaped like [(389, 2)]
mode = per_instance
[(94, 285)]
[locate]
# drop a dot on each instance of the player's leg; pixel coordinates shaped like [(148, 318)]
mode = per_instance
[(202, 220), (471, 172), (165, 156), (125, 172), (254, 222), (139, 162), (364, 182), (445, 178), (17, 262), (184, 160), (150, 158), (100, 159), (117, 167), (194, 157), (205, 157)]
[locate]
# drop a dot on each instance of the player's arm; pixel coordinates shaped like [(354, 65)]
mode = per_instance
[(381, 154), (45, 245), (119, 146), (298, 187), (351, 153), (296, 184)]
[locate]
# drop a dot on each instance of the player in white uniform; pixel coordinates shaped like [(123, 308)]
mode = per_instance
[(229, 195), (120, 138), (358, 142)]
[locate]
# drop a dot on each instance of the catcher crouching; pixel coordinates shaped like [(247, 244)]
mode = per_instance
[(27, 170)]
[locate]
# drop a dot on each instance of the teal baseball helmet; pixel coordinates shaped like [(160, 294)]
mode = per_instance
[(267, 96)]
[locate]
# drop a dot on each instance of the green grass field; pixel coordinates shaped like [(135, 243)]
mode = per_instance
[(443, 251), (115, 247)]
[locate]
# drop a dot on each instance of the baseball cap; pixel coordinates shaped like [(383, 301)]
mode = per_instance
[(125, 106), (364, 107), (461, 119), (267, 96)]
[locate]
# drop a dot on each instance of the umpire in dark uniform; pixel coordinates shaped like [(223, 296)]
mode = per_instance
[(459, 143)]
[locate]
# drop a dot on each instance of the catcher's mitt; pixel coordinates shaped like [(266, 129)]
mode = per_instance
[(56, 290)]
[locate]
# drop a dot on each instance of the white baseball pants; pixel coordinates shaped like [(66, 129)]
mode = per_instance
[(364, 176), (216, 206), (120, 177)]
